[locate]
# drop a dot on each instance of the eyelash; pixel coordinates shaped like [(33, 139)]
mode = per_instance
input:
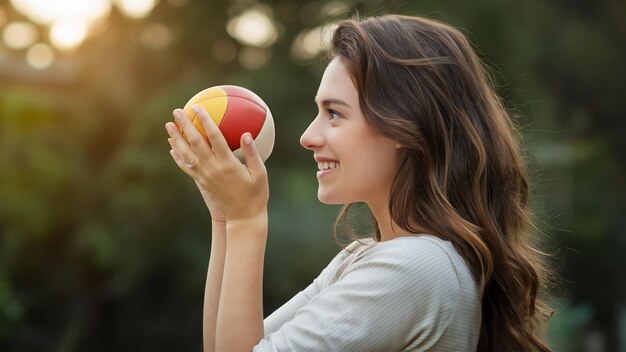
[(331, 112)]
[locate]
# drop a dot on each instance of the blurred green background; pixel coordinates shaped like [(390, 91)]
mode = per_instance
[(104, 242)]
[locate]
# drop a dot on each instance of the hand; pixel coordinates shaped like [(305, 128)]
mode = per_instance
[(216, 214), (238, 191), (179, 145)]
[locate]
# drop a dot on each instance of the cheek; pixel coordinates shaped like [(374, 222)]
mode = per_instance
[(373, 168)]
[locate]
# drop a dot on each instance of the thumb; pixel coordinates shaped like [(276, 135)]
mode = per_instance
[(253, 159)]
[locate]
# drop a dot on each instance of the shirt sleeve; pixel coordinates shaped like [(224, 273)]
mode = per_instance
[(398, 295), (288, 310)]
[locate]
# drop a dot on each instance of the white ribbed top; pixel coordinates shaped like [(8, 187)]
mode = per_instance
[(412, 293)]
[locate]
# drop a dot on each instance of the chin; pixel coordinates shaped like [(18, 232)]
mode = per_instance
[(330, 198), (327, 199)]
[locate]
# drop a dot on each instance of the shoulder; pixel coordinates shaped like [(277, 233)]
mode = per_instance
[(395, 295), (426, 249), (415, 261), (419, 252), (421, 279), (415, 246)]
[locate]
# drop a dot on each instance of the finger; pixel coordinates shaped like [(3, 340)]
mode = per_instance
[(253, 159), (180, 145), (197, 143), (216, 138), (175, 147), (180, 162), (179, 140)]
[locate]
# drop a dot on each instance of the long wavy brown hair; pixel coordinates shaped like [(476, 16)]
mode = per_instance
[(462, 174)]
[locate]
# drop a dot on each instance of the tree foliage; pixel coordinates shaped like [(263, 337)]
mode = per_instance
[(104, 243)]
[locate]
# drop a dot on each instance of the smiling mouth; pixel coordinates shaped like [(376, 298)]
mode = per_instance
[(327, 165), (326, 168)]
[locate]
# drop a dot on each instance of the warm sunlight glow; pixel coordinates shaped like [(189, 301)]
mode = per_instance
[(3, 16), (47, 12), (70, 21), (311, 42), (19, 35), (333, 9), (40, 56), (156, 36), (67, 35), (136, 8), (254, 28)]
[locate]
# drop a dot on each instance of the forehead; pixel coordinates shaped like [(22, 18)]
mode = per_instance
[(337, 83)]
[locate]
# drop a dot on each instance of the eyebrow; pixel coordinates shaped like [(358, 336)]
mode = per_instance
[(327, 102)]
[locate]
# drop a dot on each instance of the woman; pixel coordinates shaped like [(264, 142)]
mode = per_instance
[(409, 124)]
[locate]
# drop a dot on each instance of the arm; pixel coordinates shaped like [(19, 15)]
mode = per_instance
[(399, 296), (240, 317), (241, 193), (213, 284), (215, 271)]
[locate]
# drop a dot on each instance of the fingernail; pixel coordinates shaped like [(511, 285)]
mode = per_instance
[(196, 109), (177, 115), (247, 138)]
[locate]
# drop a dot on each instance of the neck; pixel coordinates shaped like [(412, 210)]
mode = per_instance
[(388, 228)]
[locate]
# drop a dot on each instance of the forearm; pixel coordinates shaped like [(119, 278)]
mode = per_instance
[(213, 284), (240, 317)]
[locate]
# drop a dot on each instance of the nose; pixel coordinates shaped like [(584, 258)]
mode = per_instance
[(312, 137)]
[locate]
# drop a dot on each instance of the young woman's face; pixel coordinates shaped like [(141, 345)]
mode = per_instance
[(356, 163)]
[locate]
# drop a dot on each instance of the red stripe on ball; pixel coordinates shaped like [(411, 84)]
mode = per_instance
[(236, 91), (241, 116)]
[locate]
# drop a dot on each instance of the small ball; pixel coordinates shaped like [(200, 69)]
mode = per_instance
[(236, 110)]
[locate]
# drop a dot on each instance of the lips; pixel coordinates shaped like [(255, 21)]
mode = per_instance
[(325, 165), (331, 167)]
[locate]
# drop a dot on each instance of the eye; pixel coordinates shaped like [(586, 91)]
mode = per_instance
[(333, 114)]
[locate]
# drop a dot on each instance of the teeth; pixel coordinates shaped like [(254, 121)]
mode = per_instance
[(325, 165)]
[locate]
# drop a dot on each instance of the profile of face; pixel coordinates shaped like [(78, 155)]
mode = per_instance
[(356, 162)]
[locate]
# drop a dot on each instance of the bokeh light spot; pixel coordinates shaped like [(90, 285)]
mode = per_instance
[(333, 9), (253, 27), (19, 35), (156, 36), (310, 43), (47, 12), (136, 8), (254, 58), (40, 56), (67, 35)]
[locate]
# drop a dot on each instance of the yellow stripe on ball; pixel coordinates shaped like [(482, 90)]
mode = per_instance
[(214, 101)]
